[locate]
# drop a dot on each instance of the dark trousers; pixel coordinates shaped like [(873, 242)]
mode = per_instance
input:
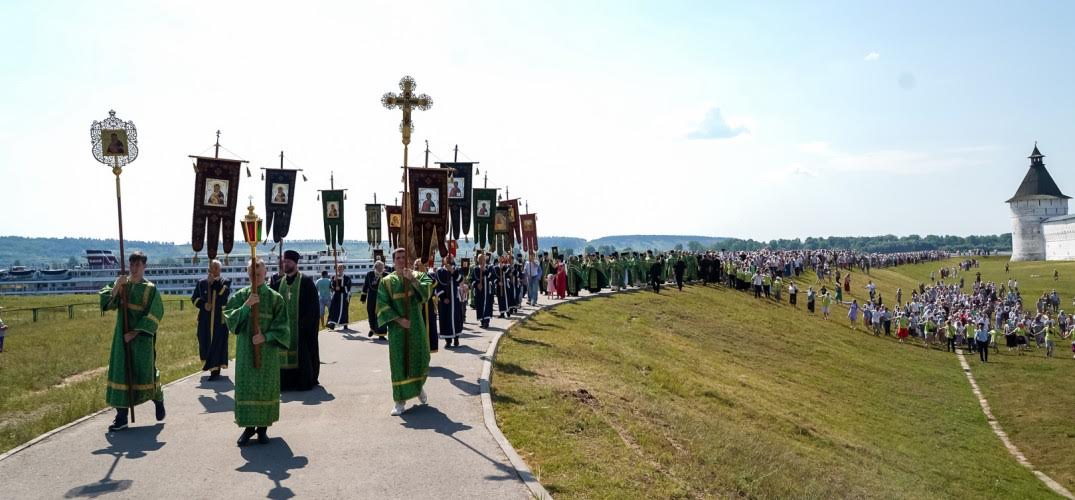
[(888, 327), (757, 291), (951, 344), (679, 280), (766, 288), (983, 350)]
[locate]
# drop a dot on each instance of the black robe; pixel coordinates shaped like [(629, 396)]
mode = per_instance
[(450, 307), (429, 311), (212, 332), (505, 288), (338, 313), (486, 277), (305, 376), (369, 297)]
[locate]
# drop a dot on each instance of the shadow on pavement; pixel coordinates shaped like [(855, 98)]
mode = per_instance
[(426, 417), (312, 397), (275, 460), (456, 379), (465, 349), (219, 402), (133, 443)]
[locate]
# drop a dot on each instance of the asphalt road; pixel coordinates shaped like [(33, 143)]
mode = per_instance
[(336, 441)]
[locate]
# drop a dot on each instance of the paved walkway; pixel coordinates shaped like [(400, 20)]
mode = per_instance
[(336, 441)]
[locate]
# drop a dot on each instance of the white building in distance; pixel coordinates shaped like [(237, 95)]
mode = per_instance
[(1041, 226)]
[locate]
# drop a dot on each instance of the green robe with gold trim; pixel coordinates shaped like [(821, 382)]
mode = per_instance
[(144, 312), (257, 390), (408, 350)]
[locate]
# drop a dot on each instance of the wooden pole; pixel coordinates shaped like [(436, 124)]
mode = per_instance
[(255, 321), (123, 298)]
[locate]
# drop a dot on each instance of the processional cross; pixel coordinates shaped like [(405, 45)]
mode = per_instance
[(407, 101)]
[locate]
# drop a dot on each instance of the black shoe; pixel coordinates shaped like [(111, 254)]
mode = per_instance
[(456, 342), (370, 334), (160, 410), (245, 438), (263, 435), (215, 374), (332, 326), (120, 422)]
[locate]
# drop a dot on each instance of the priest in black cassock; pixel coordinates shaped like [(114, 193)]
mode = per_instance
[(341, 299), (450, 305), (483, 279), (369, 296), (210, 295), (300, 365)]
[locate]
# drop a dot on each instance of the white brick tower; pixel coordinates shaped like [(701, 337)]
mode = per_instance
[(1036, 200)]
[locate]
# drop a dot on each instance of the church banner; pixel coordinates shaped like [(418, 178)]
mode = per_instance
[(216, 187), (279, 201), (429, 213), (373, 224), (513, 217), (484, 209), (460, 193), (530, 237), (332, 212), (394, 214), (502, 231)]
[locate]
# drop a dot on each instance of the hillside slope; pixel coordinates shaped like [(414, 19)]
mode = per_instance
[(710, 392)]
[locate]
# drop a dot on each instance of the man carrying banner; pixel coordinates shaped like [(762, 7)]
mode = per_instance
[(257, 386), (300, 364), (341, 299), (210, 295), (400, 298), (141, 318)]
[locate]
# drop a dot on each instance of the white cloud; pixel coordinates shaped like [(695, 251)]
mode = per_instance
[(714, 126), (893, 161), (791, 171), (872, 56)]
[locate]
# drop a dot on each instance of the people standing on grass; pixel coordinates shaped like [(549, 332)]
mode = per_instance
[(853, 313), (3, 332)]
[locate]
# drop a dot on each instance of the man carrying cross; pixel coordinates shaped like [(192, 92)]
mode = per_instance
[(400, 300)]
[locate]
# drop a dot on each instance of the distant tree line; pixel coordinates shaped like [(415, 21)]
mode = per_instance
[(881, 244)]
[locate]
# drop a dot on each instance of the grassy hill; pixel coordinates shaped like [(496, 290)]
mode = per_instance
[(710, 392)]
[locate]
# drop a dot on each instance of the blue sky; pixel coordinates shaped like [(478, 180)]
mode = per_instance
[(749, 119)]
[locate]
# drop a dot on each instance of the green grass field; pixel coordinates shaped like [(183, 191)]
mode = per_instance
[(711, 393), (53, 371)]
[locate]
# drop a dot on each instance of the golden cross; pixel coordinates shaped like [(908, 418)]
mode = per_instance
[(407, 101)]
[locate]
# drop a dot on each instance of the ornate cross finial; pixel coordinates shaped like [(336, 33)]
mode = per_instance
[(217, 152), (406, 101)]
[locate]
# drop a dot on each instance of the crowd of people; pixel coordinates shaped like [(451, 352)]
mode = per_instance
[(414, 306)]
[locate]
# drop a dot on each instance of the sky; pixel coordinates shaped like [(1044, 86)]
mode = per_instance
[(746, 119)]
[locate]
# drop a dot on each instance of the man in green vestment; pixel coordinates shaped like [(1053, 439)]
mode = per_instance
[(257, 390), (400, 298), (139, 332)]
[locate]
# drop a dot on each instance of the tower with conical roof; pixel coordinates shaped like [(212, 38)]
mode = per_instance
[(1037, 199)]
